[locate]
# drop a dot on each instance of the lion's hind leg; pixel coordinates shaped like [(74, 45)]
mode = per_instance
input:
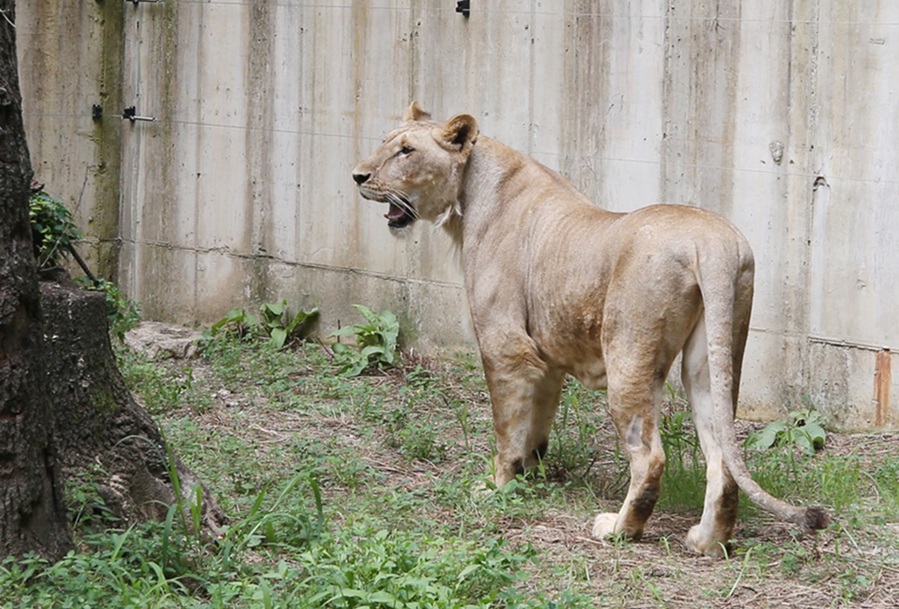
[(635, 410), (719, 515)]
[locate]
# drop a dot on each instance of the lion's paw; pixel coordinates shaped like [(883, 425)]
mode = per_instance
[(604, 525), (700, 542)]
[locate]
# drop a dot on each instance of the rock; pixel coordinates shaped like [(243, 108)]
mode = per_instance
[(158, 340)]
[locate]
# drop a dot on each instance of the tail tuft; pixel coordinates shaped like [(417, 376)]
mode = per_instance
[(816, 518)]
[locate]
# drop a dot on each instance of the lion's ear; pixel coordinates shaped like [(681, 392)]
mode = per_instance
[(415, 113), (460, 130)]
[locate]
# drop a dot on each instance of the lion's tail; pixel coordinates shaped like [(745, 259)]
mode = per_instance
[(720, 293)]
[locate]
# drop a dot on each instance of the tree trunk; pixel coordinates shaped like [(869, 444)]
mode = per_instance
[(103, 435), (63, 404), (32, 513)]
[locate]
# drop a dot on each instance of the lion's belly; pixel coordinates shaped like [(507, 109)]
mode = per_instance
[(574, 348), (592, 376)]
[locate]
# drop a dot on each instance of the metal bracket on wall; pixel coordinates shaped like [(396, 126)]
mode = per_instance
[(136, 2), (129, 113), (464, 7)]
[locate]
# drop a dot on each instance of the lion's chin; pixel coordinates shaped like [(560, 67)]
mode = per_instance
[(399, 233), (400, 224)]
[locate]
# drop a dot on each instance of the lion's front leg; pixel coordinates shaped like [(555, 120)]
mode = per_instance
[(524, 392)]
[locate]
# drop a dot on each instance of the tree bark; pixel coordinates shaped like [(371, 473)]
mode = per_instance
[(64, 407), (32, 512)]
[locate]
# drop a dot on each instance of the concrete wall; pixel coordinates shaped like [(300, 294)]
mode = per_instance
[(781, 115)]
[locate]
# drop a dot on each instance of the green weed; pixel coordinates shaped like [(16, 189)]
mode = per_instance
[(683, 482), (275, 322), (573, 449), (416, 439), (884, 478), (160, 390), (376, 342), (393, 568), (803, 429)]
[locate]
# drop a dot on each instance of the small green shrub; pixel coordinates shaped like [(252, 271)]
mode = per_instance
[(376, 342), (167, 564), (678, 437), (274, 322), (281, 326), (802, 429), (53, 229), (236, 322)]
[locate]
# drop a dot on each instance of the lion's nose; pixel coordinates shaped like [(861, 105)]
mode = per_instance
[(361, 178)]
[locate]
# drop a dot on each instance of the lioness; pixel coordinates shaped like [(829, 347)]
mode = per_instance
[(557, 286)]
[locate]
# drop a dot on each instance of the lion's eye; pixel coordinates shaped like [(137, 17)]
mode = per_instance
[(406, 150)]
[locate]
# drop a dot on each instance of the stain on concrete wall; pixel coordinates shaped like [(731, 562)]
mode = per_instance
[(781, 115), (70, 60)]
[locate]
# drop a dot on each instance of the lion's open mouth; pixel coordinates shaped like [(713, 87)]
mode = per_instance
[(399, 216), (401, 213)]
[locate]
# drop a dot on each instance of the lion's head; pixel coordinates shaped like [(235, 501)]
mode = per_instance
[(418, 169)]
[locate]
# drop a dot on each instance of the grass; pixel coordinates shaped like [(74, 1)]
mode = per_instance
[(363, 492)]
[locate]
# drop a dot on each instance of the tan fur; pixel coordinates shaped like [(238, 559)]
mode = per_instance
[(557, 286)]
